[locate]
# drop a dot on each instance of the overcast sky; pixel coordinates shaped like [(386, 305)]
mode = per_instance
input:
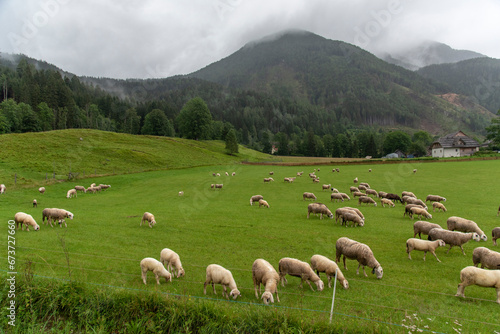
[(161, 38)]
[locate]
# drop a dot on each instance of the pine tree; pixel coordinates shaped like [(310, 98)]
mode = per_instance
[(231, 142)]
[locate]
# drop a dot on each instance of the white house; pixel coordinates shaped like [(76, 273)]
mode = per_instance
[(454, 145)]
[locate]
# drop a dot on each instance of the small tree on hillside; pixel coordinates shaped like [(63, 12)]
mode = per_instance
[(494, 130), (195, 119), (397, 140), (231, 142)]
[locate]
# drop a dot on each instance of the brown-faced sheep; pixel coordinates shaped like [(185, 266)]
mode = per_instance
[(354, 250), (35, 203), (322, 264), (336, 197), (385, 201), (422, 227), (481, 277), (173, 262), (495, 234), (263, 203), (488, 258), (23, 219), (264, 273), (319, 208), (301, 269), (148, 217), (464, 225), (255, 198), (367, 200), (219, 186), (435, 198), (307, 195), (424, 245), (150, 264), (217, 274), (439, 206), (452, 238)]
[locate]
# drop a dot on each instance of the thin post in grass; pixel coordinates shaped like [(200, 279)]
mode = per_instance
[(333, 297)]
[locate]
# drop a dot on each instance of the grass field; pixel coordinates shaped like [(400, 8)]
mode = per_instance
[(104, 244)]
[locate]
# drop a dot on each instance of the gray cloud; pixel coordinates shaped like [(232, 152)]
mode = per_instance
[(153, 38)]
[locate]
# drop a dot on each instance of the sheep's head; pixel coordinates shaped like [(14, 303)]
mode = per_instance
[(181, 272), (267, 297), (37, 227), (378, 271), (320, 285), (429, 216), (484, 237), (235, 293), (374, 204), (345, 284), (168, 276), (476, 236), (441, 243), (70, 215)]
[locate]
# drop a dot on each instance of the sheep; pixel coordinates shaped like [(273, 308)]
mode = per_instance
[(498, 211), (351, 216), (408, 193), (255, 198), (307, 195), (488, 258), (41, 190), (181, 193), (452, 238), (464, 225), (218, 186), (414, 171), (212, 186), (300, 173), (23, 219), (104, 186), (337, 170), (369, 170), (412, 200), (355, 210), (98, 188), (335, 190), (297, 268), (393, 197), (339, 214), (227, 174), (495, 233), (362, 188), (326, 186), (364, 184), (316, 180), (264, 273), (435, 198), (91, 189), (218, 174), (92, 185), (81, 188), (384, 201), (372, 192), (355, 180), (54, 214), (358, 194), (233, 174), (422, 213), (35, 203), (409, 206), (345, 196), (268, 179), (424, 245), (354, 250), (271, 173), (323, 264), (173, 261), (367, 200), (439, 206), (2, 188), (336, 196), (148, 217), (71, 193), (263, 203), (424, 227), (382, 194), (217, 274), (353, 189), (150, 264), (312, 175), (481, 277), (319, 208), (287, 179)]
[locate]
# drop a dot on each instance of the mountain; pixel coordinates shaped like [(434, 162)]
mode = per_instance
[(477, 78), (428, 53)]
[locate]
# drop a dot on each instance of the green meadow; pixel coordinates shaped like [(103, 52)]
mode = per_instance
[(102, 246)]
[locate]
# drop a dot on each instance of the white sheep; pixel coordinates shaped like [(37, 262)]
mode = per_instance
[(364, 184), (255, 198), (326, 186), (358, 194), (268, 179), (356, 210), (488, 258), (217, 274), (227, 174), (148, 217), (81, 188), (452, 238), (439, 206), (422, 213), (464, 225), (219, 185), (413, 200), (481, 277), (173, 262), (181, 193), (348, 215), (354, 250), (319, 208), (385, 201), (41, 190), (300, 173), (335, 190), (424, 245), (322, 264), (2, 188), (264, 273), (263, 203), (408, 207), (354, 189), (435, 198), (355, 180), (271, 173), (307, 195), (367, 200), (301, 269), (35, 203), (408, 193), (71, 193), (362, 188), (345, 196), (54, 214), (495, 233), (23, 219), (414, 171), (422, 227), (104, 186), (233, 174), (150, 264), (372, 192), (336, 197)]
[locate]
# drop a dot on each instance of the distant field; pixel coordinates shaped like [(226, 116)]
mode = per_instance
[(104, 243)]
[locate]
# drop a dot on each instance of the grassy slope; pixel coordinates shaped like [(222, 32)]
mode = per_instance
[(221, 227)]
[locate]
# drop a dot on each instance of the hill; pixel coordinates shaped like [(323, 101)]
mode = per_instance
[(33, 156)]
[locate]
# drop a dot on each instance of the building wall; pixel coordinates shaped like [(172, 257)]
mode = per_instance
[(453, 152)]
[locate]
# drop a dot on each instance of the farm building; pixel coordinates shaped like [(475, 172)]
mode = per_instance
[(456, 144)]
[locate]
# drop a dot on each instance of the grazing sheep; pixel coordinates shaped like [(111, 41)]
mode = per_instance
[(435, 198), (355, 210), (148, 217), (263, 203), (362, 188), (393, 197), (384, 201), (268, 179), (233, 174), (481, 277), (219, 275), (55, 214), (297, 268), (71, 193), (495, 233), (422, 213), (2, 188), (271, 173), (439, 206), (355, 180), (322, 264), (92, 185), (35, 203), (358, 194), (289, 179), (364, 184), (218, 174), (424, 227), (104, 186), (212, 186), (91, 189), (316, 180), (218, 186), (227, 174), (264, 273), (338, 170), (488, 258), (81, 188), (408, 193), (452, 238), (414, 171), (367, 200), (312, 175), (339, 214), (464, 225), (334, 190), (345, 196), (369, 170), (41, 190), (348, 215), (336, 197), (382, 194), (326, 186), (23, 219), (354, 250), (307, 195), (354, 189), (412, 200), (300, 173), (424, 245), (255, 198), (173, 261), (319, 208), (181, 193), (150, 264), (408, 207), (372, 192)]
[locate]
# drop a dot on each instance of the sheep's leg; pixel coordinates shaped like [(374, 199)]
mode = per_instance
[(143, 274), (343, 258), (425, 253), (495, 241), (329, 281), (205, 287), (449, 249), (224, 291), (255, 288), (434, 253), (213, 287), (307, 281), (157, 278), (461, 289), (462, 249), (498, 295), (357, 270), (408, 251)]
